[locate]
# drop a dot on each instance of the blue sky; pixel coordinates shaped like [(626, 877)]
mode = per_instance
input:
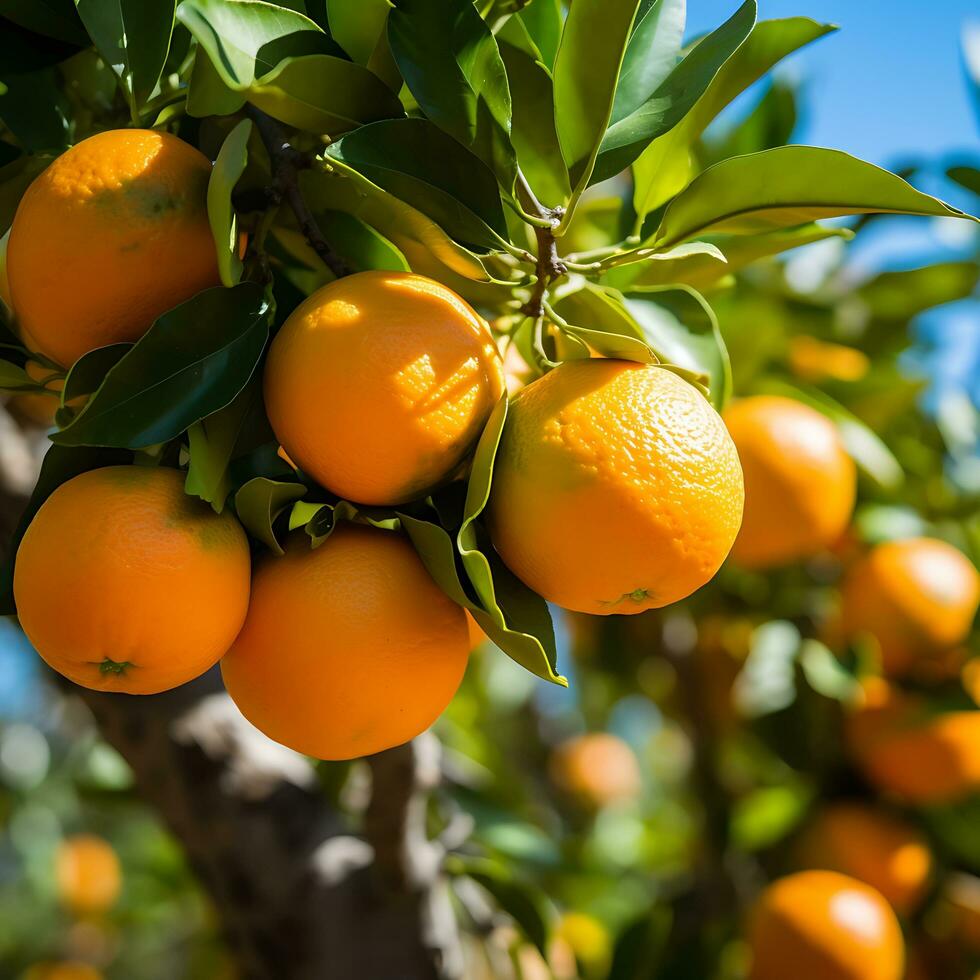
[(889, 84)]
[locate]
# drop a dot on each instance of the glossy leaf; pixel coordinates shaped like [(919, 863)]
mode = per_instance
[(668, 164), (422, 166), (283, 63), (14, 378), (652, 53), (228, 168), (451, 64), (356, 27), (426, 247), (785, 187), (260, 501), (587, 65), (533, 130), (90, 370), (875, 460), (52, 18), (681, 326), (599, 319), (675, 97), (542, 20), (193, 361), (133, 37)]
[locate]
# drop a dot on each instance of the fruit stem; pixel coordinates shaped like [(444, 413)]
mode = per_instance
[(287, 162)]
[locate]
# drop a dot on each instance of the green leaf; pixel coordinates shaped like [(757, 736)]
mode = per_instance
[(674, 98), (652, 53), (260, 501), (90, 370), (360, 245), (612, 332), (510, 605), (900, 295), (426, 247), (281, 62), (52, 18), (668, 164), (213, 443), (14, 378), (133, 37), (193, 361), (451, 64), (873, 458), (785, 187), (681, 326), (228, 168), (422, 166), (587, 66), (543, 21), (356, 27), (34, 110), (533, 126), (968, 177), (60, 464)]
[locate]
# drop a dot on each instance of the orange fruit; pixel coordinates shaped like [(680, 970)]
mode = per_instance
[(915, 598), (616, 487), (476, 635), (349, 648), (124, 583), (821, 925), (380, 383), (87, 874), (597, 769), (800, 482), (63, 970), (816, 360), (873, 846), (112, 234)]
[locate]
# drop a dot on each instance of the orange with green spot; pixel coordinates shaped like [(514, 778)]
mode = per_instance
[(616, 487), (112, 234), (124, 583)]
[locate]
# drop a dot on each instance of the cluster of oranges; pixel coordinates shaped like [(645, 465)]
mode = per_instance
[(617, 487)]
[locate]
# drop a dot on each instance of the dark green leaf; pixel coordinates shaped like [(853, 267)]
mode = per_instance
[(593, 43), (785, 187), (668, 164), (193, 361), (360, 245), (52, 18), (14, 378), (33, 109), (675, 97), (90, 370), (680, 325), (23, 51), (133, 37), (651, 55), (260, 501), (968, 177), (422, 166), (228, 168), (450, 62), (357, 27)]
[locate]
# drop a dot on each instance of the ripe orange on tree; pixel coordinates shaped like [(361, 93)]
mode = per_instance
[(915, 598), (596, 769), (916, 756), (87, 874), (112, 234), (800, 482), (872, 845), (379, 384), (821, 925), (616, 487), (347, 649), (122, 582)]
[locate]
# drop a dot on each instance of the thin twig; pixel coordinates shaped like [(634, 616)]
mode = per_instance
[(549, 265), (287, 162)]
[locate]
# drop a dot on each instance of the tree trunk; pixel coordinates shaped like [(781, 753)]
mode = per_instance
[(298, 895)]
